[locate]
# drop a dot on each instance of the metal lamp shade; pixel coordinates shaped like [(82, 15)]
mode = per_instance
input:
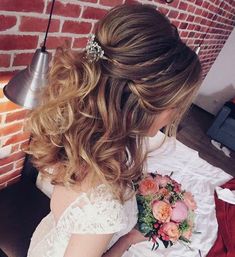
[(24, 88)]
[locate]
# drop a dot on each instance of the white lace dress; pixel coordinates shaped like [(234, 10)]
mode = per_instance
[(96, 213)]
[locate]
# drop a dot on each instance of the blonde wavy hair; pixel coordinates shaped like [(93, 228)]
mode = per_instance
[(94, 116)]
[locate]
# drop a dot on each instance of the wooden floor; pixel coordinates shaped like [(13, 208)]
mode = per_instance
[(193, 134)]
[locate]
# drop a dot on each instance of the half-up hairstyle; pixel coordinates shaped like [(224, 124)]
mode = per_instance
[(95, 115)]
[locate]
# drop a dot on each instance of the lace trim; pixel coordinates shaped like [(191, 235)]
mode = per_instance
[(96, 212)]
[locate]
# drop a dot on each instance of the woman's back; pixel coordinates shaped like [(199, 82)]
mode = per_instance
[(92, 212)]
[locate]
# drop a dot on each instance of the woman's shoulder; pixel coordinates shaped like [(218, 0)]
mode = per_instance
[(95, 210)]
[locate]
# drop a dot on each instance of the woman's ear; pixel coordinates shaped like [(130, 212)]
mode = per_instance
[(162, 119)]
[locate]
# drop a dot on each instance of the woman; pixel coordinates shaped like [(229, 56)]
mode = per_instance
[(135, 77)]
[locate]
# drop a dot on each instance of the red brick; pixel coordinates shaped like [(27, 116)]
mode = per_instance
[(54, 42), (93, 13), (191, 9), (190, 18), (24, 146), (23, 59), (191, 26), (19, 164), (8, 106), (6, 168), (8, 176), (213, 9), (6, 76), (22, 6), (163, 10), (174, 4), (199, 2), (173, 14), (183, 6), (182, 16), (13, 157), (7, 130), (19, 115), (7, 22), (33, 24), (14, 180), (14, 42), (191, 34), (184, 34), (183, 25), (15, 148), (2, 186), (199, 12), (80, 42), (5, 60), (68, 10), (198, 20), (176, 23), (17, 138), (111, 3), (76, 27)]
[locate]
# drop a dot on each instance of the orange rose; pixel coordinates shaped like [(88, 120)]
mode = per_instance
[(161, 211), (189, 201), (148, 186), (171, 230)]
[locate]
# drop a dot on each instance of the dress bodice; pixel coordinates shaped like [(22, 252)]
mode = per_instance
[(94, 213)]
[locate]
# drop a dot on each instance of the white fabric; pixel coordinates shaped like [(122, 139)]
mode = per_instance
[(196, 176), (225, 194), (94, 213)]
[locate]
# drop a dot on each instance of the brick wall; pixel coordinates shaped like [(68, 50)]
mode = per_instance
[(22, 31)]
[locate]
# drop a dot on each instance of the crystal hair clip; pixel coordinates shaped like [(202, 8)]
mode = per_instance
[(93, 50)]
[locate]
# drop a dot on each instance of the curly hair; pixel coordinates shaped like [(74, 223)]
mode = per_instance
[(94, 116)]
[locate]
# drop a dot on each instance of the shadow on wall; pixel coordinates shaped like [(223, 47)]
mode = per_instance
[(213, 103)]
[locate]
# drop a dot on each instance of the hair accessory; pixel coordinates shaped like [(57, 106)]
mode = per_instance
[(93, 50)]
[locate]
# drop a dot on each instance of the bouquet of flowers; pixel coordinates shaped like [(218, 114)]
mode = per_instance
[(166, 212)]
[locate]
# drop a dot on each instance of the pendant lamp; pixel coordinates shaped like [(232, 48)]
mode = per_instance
[(24, 88)]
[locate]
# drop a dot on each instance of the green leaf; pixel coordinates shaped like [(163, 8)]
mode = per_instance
[(157, 245), (184, 239), (166, 243)]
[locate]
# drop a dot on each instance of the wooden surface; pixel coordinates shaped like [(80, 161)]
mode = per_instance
[(193, 134)]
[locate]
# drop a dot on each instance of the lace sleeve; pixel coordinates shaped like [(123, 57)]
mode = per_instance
[(98, 213)]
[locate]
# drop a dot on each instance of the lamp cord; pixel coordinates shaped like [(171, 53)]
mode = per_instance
[(43, 48)]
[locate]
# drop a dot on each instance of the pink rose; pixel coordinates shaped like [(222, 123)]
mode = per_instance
[(170, 230), (148, 186), (189, 201), (161, 211), (179, 212), (162, 180), (177, 186)]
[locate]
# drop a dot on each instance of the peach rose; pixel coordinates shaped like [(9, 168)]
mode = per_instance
[(148, 186), (189, 201), (171, 230), (162, 180), (164, 192), (161, 211), (179, 212)]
